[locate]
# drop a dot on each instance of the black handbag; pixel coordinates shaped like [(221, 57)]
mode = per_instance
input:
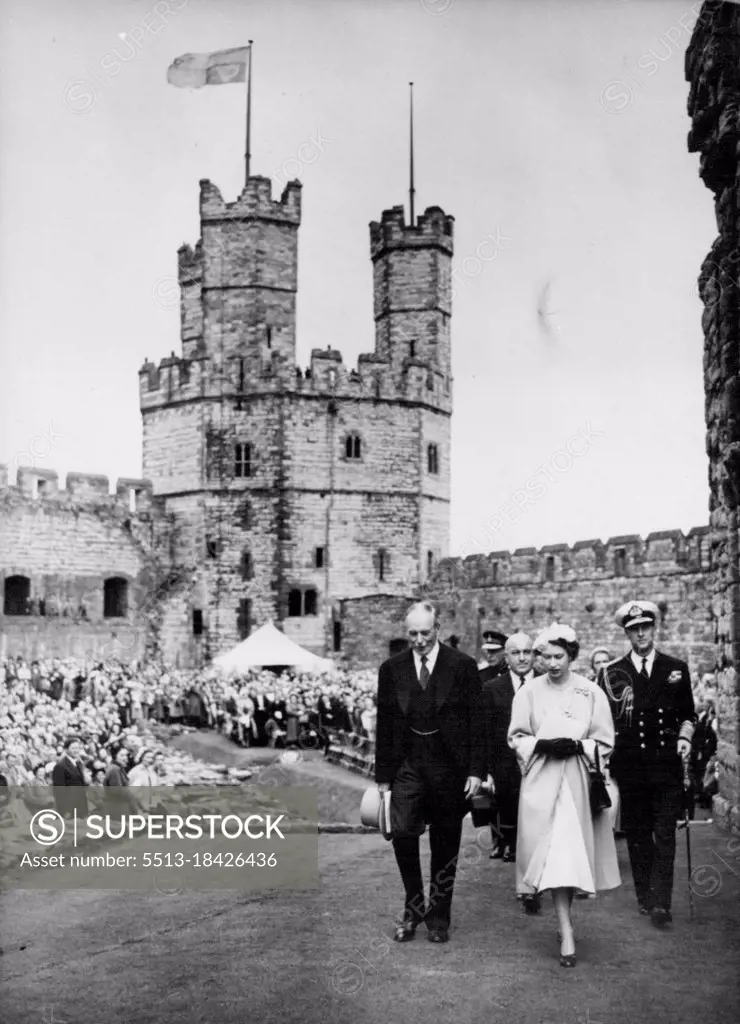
[(598, 793), (484, 809)]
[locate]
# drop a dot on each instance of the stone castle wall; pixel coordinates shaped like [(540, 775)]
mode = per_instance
[(713, 70), (581, 585), (58, 548)]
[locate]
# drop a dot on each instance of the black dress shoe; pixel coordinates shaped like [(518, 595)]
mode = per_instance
[(497, 853), (438, 935), (405, 932), (660, 917), (509, 855)]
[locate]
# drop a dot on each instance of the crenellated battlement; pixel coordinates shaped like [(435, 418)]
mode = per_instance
[(190, 263), (255, 201), (434, 228), (664, 552), (131, 494), (176, 379)]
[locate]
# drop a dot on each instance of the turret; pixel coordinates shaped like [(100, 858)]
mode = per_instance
[(412, 291)]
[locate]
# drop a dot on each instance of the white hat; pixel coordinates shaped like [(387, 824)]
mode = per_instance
[(636, 612), (375, 810), (555, 631)]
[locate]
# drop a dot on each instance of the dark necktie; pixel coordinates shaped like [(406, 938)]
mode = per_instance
[(643, 671), (424, 674)]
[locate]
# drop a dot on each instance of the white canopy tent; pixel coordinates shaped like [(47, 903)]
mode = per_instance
[(267, 647)]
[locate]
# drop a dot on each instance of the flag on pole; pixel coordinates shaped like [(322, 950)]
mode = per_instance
[(194, 70)]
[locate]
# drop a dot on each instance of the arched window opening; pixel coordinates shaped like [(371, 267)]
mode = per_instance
[(17, 600), (353, 446)]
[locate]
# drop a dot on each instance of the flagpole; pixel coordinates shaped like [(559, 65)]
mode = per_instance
[(412, 190), (248, 154)]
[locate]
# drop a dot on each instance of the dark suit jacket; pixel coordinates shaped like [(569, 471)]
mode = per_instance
[(649, 734), (66, 778), (497, 698), (490, 672), (459, 711)]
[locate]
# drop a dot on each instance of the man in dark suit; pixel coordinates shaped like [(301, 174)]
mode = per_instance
[(430, 752), (653, 709), (68, 780), (498, 696)]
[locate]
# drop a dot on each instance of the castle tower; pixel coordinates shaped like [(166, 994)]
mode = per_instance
[(239, 285), (294, 490), (412, 273), (412, 289)]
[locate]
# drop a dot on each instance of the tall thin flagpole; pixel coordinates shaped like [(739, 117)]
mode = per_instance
[(248, 153), (412, 190)]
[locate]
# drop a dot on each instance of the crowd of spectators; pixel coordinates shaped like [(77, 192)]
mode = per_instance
[(112, 712)]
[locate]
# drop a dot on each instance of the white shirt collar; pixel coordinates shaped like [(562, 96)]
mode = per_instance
[(431, 659), (518, 681), (637, 661)]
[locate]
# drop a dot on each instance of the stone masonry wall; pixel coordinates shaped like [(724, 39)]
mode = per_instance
[(67, 544), (510, 591), (713, 70)]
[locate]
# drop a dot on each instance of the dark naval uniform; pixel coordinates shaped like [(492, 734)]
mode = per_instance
[(652, 707)]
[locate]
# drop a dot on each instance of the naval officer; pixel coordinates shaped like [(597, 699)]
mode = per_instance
[(652, 705)]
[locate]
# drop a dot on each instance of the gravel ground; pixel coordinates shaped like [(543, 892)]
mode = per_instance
[(322, 956)]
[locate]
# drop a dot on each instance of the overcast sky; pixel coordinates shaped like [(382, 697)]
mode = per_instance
[(557, 127)]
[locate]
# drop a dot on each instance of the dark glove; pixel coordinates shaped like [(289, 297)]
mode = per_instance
[(560, 748)]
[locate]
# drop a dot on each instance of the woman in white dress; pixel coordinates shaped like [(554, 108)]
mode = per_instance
[(558, 720)]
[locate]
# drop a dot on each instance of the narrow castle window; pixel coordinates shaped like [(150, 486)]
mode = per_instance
[(412, 349), (244, 516), (17, 599), (309, 602), (244, 618), (432, 458), (197, 622), (337, 635), (213, 547), (430, 562), (620, 562), (246, 567), (242, 460), (295, 603), (550, 569), (115, 594), (430, 380), (494, 569), (384, 564), (269, 337), (353, 446), (318, 559), (241, 376)]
